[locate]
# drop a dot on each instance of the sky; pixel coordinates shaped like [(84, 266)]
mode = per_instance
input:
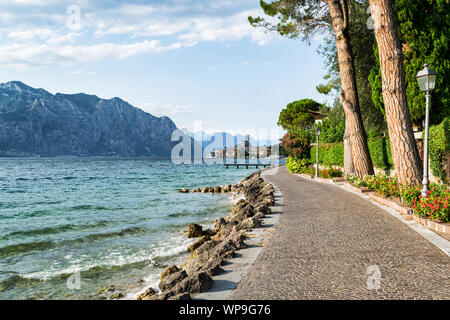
[(198, 62)]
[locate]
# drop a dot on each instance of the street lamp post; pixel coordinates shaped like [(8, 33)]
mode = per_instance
[(317, 151), (427, 82)]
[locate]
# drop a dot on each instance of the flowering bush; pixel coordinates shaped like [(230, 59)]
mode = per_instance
[(410, 193), (356, 181), (302, 166), (384, 185), (297, 144), (330, 173), (435, 205)]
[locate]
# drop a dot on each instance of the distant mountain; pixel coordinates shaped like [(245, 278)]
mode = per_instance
[(34, 122), (228, 139)]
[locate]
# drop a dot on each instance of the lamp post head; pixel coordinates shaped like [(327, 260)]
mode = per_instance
[(426, 79)]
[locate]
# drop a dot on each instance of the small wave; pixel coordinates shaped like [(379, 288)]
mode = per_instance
[(69, 178), (22, 248), (197, 213), (35, 232), (173, 249), (53, 230), (17, 280), (87, 207)]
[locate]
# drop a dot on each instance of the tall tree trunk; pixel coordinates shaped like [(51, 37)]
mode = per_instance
[(405, 154), (348, 159), (362, 162)]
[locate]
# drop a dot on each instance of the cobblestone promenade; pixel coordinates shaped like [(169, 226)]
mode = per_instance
[(326, 240)]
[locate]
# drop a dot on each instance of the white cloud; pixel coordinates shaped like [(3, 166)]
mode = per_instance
[(167, 109), (31, 34), (235, 27), (40, 37), (24, 55)]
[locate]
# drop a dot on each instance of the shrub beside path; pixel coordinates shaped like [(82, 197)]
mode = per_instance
[(326, 244)]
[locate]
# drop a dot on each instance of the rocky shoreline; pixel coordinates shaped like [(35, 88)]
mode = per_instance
[(215, 245)]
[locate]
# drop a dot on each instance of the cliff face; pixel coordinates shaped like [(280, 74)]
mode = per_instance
[(34, 122)]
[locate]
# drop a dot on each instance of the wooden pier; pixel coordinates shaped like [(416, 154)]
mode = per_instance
[(246, 165)]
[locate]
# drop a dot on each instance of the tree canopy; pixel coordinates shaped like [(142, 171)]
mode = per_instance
[(296, 115), (296, 18)]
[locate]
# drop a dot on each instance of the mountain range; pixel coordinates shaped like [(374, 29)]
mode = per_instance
[(34, 122)]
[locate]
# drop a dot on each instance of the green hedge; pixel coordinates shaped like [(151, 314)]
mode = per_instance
[(380, 151), (332, 154), (439, 146), (329, 154)]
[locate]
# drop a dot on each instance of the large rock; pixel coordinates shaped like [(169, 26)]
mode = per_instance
[(264, 209), (181, 296), (147, 294), (198, 243), (169, 270), (196, 283), (219, 223), (194, 230), (212, 266), (241, 211), (171, 280), (252, 222)]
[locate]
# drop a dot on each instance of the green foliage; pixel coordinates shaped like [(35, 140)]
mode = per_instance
[(439, 146), (296, 19), (331, 84), (330, 173), (303, 166), (375, 83), (380, 151), (410, 193), (424, 30), (297, 144), (297, 165), (295, 115), (333, 126), (330, 154), (435, 205), (385, 186)]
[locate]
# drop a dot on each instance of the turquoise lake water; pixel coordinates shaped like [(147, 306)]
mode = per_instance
[(115, 221)]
